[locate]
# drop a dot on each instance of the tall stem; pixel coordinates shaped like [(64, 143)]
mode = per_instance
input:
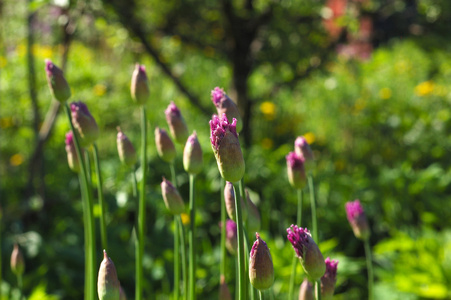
[(223, 230), (142, 207), (260, 295), (176, 259), (295, 259), (369, 266), (135, 184), (241, 264), (318, 289), (90, 246), (20, 286), (313, 206), (103, 233), (183, 254), (192, 244)]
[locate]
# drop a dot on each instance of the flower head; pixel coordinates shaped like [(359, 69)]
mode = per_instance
[(302, 148), (307, 251), (125, 149), (226, 147), (225, 105), (357, 219), (329, 279), (140, 85), (229, 198), (108, 286), (72, 157), (85, 123), (192, 155), (57, 83), (306, 290), (295, 170), (165, 146), (17, 261), (176, 123), (172, 199), (261, 270)]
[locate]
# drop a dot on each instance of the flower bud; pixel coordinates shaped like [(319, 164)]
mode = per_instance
[(226, 147), (192, 155), (229, 198), (302, 148), (176, 123), (17, 261), (306, 290), (307, 251), (165, 146), (140, 85), (108, 286), (85, 123), (225, 105), (253, 218), (125, 149), (224, 292), (231, 237), (57, 83), (295, 170), (329, 279), (357, 219), (72, 157), (261, 270), (172, 199)]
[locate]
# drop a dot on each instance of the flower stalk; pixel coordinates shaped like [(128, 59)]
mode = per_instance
[(369, 265), (103, 232), (192, 235), (241, 260), (313, 206)]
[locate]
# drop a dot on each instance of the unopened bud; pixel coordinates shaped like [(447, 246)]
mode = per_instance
[(72, 157), (295, 170), (140, 85), (229, 198), (172, 199), (261, 269), (165, 146), (176, 123), (302, 148), (17, 261), (125, 149), (306, 290), (192, 155), (84, 122), (108, 286), (57, 83)]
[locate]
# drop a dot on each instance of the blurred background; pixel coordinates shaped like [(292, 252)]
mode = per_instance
[(367, 82)]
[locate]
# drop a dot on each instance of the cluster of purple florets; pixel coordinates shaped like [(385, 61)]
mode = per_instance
[(331, 268), (295, 160), (216, 95), (353, 210), (299, 238), (80, 106), (219, 127)]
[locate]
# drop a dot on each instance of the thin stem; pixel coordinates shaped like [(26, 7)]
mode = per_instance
[(135, 184), (176, 259), (86, 237), (173, 175), (246, 251), (260, 295), (369, 266), (183, 253), (192, 244), (20, 285), (223, 230), (318, 289), (295, 259), (313, 205), (103, 233), (142, 208), (241, 264)]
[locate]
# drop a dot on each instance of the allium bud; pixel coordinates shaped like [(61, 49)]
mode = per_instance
[(192, 155), (307, 251), (229, 198), (176, 123), (125, 149), (306, 290), (231, 237), (165, 146), (17, 261), (172, 199), (85, 123), (225, 105), (140, 85), (357, 219), (302, 148), (72, 157), (57, 83), (224, 292), (122, 295), (329, 279), (295, 170), (108, 286), (226, 147), (261, 270), (254, 220)]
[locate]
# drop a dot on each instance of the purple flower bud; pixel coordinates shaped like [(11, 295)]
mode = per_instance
[(72, 157), (17, 261), (176, 123), (357, 219), (295, 170), (192, 155), (225, 105), (57, 83), (108, 286), (231, 236), (224, 292), (306, 290), (329, 279), (125, 149), (226, 147), (172, 199), (261, 270), (140, 85), (85, 123), (307, 251), (254, 220), (165, 146), (302, 148), (229, 198)]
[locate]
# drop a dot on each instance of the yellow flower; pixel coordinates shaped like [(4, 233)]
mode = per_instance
[(16, 160), (385, 93), (268, 109), (425, 88), (99, 90), (185, 218), (310, 137)]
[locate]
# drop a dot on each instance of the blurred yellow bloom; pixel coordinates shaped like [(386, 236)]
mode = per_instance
[(185, 218), (385, 93), (42, 51), (267, 143), (16, 160), (425, 88), (99, 90), (6, 122), (310, 137), (268, 109), (359, 105), (2, 62)]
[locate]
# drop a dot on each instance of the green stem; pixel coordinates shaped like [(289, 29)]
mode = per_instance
[(313, 206), (260, 295), (241, 260), (176, 260), (223, 230), (369, 266), (135, 184), (142, 208), (20, 285), (1, 253), (192, 234), (295, 259), (90, 246), (183, 253), (103, 233), (173, 175), (318, 289)]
